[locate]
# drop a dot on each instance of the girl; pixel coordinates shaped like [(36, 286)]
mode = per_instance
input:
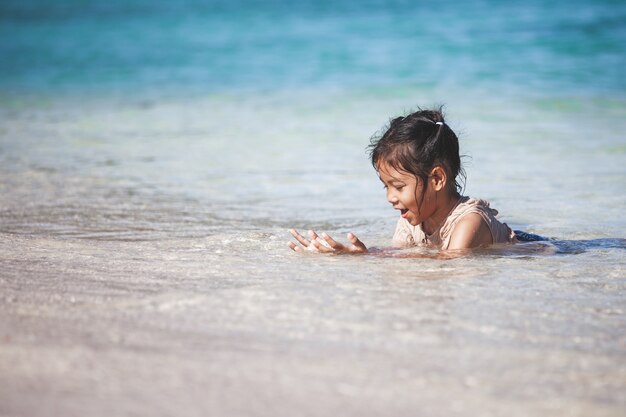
[(417, 159)]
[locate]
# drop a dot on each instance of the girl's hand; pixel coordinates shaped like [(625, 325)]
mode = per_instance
[(325, 243)]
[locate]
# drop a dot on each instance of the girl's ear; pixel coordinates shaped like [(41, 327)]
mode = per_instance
[(438, 178)]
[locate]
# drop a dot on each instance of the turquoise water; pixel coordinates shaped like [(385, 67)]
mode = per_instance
[(154, 154), (205, 46)]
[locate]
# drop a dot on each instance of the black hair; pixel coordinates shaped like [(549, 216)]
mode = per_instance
[(416, 143)]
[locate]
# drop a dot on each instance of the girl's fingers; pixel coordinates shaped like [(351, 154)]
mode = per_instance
[(319, 242), (358, 246), (320, 246), (294, 247), (324, 243), (312, 248), (332, 242), (316, 242), (299, 238)]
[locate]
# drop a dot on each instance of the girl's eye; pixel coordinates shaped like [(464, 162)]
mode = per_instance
[(399, 188)]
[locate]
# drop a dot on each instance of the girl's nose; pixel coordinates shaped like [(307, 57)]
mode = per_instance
[(391, 197)]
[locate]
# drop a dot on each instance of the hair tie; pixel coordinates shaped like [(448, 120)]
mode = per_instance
[(439, 123)]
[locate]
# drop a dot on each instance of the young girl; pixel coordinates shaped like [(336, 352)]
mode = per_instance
[(417, 159)]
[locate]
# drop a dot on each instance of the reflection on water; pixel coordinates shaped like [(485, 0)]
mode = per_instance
[(552, 247), (579, 246)]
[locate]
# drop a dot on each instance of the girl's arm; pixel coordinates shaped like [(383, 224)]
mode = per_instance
[(471, 231), (329, 245), (326, 244)]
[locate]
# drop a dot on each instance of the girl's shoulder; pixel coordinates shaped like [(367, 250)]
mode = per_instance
[(500, 232)]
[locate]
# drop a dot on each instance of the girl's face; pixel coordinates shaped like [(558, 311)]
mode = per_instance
[(406, 194)]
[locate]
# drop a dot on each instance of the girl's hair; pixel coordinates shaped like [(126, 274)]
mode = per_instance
[(416, 143)]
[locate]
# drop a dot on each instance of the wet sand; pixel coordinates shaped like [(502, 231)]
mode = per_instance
[(181, 327)]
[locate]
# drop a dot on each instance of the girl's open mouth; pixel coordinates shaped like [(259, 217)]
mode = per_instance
[(404, 212)]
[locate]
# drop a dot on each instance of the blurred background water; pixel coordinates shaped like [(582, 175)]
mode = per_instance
[(153, 155)]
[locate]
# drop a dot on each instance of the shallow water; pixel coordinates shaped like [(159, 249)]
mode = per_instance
[(143, 260)]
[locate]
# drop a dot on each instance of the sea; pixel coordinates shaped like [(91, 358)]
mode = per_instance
[(154, 155)]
